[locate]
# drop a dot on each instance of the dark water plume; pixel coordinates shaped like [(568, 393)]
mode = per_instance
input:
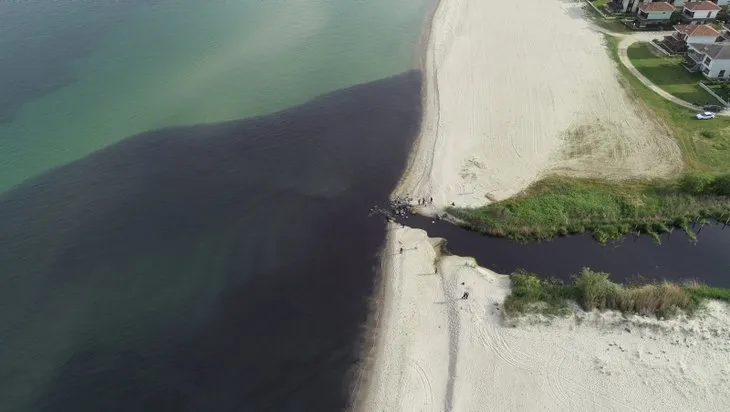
[(675, 258), (218, 267)]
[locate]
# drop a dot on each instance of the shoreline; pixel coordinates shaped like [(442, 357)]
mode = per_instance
[(428, 128), (369, 347)]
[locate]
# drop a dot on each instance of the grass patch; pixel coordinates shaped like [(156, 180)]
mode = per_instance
[(593, 290), (699, 152), (562, 206), (719, 88), (669, 74), (532, 294), (701, 292)]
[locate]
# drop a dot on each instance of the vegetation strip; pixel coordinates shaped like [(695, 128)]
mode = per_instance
[(562, 206), (593, 290)]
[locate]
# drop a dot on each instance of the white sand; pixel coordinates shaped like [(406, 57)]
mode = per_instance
[(438, 352), (516, 90)]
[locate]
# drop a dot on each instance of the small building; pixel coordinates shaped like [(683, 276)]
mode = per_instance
[(712, 60), (685, 34), (632, 6), (699, 12), (654, 14)]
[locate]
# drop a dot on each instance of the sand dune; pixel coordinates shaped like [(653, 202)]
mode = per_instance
[(439, 352), (517, 90)]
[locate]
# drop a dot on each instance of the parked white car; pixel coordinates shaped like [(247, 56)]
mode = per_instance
[(705, 116)]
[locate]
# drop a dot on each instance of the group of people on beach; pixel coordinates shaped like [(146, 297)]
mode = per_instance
[(424, 201)]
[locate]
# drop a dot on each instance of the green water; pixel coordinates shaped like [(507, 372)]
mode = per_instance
[(168, 63)]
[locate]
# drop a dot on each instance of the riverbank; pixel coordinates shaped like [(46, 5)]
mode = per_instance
[(608, 210), (443, 345)]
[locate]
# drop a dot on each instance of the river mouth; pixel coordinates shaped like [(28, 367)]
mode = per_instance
[(676, 258)]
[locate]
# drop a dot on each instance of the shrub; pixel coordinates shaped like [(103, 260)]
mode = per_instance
[(721, 185), (526, 286), (708, 134), (594, 290), (532, 294), (697, 183), (675, 18)]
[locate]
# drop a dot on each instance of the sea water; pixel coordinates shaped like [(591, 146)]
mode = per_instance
[(184, 218)]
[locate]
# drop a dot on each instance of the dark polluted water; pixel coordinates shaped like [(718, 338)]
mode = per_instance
[(218, 267), (675, 258)]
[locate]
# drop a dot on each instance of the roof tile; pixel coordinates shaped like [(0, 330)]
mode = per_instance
[(701, 6), (697, 30), (660, 6)]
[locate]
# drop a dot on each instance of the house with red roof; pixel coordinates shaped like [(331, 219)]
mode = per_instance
[(699, 12), (685, 34), (653, 14), (632, 6)]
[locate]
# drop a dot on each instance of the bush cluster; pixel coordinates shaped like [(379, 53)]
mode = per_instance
[(700, 183), (593, 290)]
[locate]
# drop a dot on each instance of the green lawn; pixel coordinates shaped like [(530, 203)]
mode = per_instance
[(561, 206), (599, 3), (700, 152), (669, 74), (720, 89)]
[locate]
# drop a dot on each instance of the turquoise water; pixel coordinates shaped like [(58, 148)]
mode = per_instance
[(150, 65)]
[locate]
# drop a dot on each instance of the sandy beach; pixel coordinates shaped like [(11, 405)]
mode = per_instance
[(513, 95), (440, 352)]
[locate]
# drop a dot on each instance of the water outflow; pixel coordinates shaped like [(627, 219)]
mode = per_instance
[(675, 258), (218, 267)]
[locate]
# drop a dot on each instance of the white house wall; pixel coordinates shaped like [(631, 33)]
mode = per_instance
[(658, 15), (717, 65), (704, 14), (702, 39)]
